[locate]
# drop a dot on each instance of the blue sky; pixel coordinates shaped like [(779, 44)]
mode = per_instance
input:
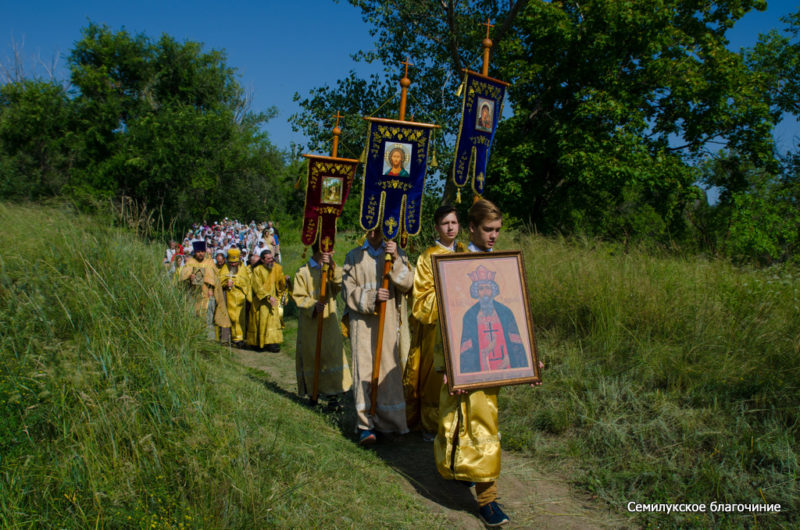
[(279, 48)]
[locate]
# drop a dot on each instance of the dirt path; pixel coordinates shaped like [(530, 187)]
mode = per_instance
[(530, 497)]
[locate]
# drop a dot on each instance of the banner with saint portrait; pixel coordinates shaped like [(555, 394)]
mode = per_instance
[(327, 186), (481, 111), (394, 176)]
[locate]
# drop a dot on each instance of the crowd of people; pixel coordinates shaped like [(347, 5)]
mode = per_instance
[(243, 304), (241, 291)]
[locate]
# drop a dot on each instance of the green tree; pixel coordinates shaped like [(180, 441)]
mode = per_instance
[(613, 102), (37, 140), (757, 216), (168, 124)]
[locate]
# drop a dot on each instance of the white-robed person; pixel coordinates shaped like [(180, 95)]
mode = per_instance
[(362, 277)]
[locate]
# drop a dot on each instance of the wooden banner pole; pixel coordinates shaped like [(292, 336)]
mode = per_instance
[(405, 82), (487, 45), (320, 319), (322, 288)]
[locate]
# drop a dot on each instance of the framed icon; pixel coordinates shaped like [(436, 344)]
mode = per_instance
[(487, 330)]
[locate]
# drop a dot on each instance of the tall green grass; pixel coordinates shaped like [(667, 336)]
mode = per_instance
[(668, 379), (115, 412)]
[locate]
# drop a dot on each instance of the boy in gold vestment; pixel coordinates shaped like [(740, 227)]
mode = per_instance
[(467, 445), (421, 382)]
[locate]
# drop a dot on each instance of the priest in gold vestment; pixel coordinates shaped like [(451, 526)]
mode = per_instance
[(334, 372), (236, 284), (269, 291), (251, 329), (200, 275)]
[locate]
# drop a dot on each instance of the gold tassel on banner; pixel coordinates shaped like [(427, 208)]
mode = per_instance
[(458, 196), (363, 158), (460, 90), (297, 184)]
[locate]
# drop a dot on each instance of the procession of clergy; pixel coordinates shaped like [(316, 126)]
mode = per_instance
[(242, 302)]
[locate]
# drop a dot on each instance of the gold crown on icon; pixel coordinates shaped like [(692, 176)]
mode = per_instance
[(481, 274)]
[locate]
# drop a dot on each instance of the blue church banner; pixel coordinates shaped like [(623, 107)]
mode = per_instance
[(394, 176), (482, 109)]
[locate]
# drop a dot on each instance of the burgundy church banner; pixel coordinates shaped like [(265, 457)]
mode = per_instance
[(327, 186), (394, 176), (481, 111)]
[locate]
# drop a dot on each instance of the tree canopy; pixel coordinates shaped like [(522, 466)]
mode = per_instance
[(159, 121), (616, 107)]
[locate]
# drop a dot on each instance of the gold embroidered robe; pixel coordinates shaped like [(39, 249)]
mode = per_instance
[(421, 382), (334, 372), (237, 297), (251, 329), (269, 283), (207, 287), (467, 444)]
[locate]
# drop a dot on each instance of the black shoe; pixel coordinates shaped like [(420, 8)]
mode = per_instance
[(492, 515)]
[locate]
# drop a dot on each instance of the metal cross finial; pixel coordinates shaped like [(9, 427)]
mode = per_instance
[(407, 65), (337, 116), (488, 25)]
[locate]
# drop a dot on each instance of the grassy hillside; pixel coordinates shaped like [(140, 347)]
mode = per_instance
[(114, 411), (668, 380)]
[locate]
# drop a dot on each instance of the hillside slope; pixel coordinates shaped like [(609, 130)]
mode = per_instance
[(116, 413)]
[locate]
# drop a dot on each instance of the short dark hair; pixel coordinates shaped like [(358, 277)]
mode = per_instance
[(442, 212)]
